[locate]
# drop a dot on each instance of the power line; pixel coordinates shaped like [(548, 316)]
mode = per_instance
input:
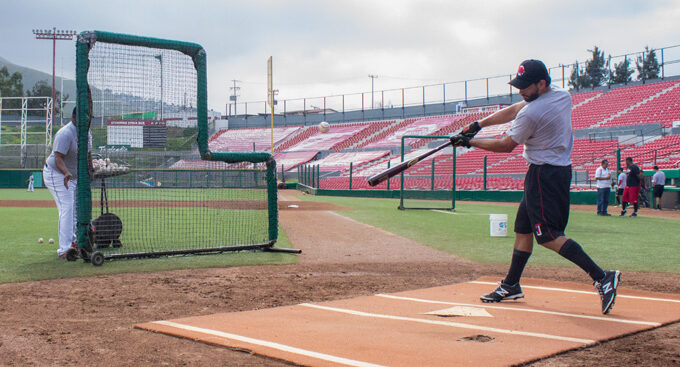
[(372, 80), (235, 95)]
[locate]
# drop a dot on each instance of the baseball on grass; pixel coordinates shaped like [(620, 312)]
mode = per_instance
[(324, 127), (40, 240), (51, 240)]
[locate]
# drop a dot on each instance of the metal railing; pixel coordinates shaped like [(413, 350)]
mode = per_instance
[(460, 91)]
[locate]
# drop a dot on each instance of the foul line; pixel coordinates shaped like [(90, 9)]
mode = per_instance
[(264, 343), (441, 211), (447, 323), (521, 309), (583, 292)]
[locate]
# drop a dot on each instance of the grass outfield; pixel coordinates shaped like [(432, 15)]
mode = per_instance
[(22, 258), (146, 194), (640, 244)]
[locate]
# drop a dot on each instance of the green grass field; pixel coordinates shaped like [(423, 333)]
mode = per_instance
[(640, 244), (22, 258)]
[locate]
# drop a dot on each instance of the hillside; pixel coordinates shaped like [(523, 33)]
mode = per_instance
[(31, 76)]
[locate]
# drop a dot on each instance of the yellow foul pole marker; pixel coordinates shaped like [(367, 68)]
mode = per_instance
[(270, 95)]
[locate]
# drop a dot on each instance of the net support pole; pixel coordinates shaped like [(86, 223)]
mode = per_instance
[(83, 192), (485, 173), (432, 177), (350, 175), (453, 180)]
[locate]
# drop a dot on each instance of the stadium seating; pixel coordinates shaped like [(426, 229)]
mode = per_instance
[(369, 145), (338, 134), (663, 109), (609, 104), (249, 140)]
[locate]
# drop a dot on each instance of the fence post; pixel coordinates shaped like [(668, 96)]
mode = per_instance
[(453, 186), (350, 175), (388, 180), (484, 173), (318, 176), (432, 177)]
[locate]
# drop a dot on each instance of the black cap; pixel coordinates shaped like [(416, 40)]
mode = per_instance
[(530, 72)]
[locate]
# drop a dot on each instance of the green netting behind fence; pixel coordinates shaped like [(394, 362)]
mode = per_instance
[(157, 188)]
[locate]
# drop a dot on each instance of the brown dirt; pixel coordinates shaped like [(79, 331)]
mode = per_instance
[(89, 321)]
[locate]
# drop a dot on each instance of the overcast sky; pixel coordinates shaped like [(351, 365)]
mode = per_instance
[(330, 47)]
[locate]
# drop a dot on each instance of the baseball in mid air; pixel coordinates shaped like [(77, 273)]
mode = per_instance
[(324, 127)]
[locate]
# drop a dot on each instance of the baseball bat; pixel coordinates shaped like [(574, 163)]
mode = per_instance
[(401, 167)]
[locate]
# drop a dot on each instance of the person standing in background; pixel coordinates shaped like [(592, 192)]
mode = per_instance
[(632, 189), (620, 185), (658, 180), (30, 183), (603, 177)]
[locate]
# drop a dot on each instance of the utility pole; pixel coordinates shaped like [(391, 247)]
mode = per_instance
[(235, 94), (372, 80), (160, 60), (54, 35)]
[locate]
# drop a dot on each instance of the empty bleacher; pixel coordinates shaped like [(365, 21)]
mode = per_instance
[(607, 105), (369, 146), (249, 140)]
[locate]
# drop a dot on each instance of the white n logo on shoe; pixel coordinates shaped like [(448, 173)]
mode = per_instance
[(502, 292), (607, 287)]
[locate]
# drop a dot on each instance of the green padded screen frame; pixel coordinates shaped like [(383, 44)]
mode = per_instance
[(86, 41)]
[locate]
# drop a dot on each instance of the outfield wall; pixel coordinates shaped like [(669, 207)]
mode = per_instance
[(670, 198), (18, 178)]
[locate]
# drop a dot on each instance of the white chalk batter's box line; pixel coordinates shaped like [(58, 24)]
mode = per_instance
[(352, 362), (268, 344), (459, 325), (484, 306), (582, 292)]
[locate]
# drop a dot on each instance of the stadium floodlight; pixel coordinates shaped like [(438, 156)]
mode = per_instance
[(54, 35)]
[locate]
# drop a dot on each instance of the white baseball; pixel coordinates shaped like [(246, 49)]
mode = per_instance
[(51, 240), (40, 240)]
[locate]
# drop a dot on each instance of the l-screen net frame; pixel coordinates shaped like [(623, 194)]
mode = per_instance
[(85, 43)]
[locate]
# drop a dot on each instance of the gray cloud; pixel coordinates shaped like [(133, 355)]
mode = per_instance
[(330, 47)]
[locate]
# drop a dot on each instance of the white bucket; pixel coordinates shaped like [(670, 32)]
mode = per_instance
[(498, 225)]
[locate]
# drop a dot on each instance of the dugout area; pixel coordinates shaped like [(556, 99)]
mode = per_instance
[(157, 189), (433, 326)]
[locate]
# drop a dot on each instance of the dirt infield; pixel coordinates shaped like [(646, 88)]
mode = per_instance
[(89, 321)]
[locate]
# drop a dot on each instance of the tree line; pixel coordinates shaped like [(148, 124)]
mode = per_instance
[(12, 85), (598, 72)]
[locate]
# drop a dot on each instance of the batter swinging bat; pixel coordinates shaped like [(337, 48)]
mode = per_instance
[(401, 167)]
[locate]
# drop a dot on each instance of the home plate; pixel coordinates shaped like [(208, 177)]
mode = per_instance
[(460, 311)]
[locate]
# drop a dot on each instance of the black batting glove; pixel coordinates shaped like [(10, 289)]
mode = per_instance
[(460, 141), (471, 130)]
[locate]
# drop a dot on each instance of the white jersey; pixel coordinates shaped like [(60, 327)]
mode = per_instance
[(66, 143), (659, 178), (601, 172), (622, 180), (544, 127)]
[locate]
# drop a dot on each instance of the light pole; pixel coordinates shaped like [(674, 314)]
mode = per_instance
[(54, 35)]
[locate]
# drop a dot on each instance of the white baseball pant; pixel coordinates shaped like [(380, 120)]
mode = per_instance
[(66, 205)]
